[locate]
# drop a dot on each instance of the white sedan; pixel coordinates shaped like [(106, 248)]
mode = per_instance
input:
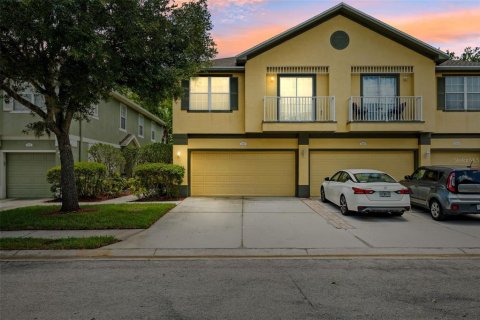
[(364, 190)]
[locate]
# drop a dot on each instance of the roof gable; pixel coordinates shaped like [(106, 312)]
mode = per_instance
[(356, 16)]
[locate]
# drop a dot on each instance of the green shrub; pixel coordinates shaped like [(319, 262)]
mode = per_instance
[(89, 177), (113, 186), (157, 179), (110, 156), (156, 153), (130, 154)]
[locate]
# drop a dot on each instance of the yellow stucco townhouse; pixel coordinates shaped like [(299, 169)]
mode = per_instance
[(341, 90)]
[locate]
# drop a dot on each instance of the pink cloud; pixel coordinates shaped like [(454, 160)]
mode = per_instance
[(451, 30), (233, 44), (442, 27)]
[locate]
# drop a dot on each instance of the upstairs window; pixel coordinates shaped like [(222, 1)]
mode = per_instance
[(153, 133), (459, 93), (210, 94), (35, 98), (141, 125), (380, 86), (123, 117), (95, 111)]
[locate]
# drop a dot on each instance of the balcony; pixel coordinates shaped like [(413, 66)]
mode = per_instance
[(298, 109), (385, 109)]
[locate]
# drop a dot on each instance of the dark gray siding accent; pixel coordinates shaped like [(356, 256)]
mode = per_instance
[(441, 93), (180, 139), (425, 139), (185, 94), (233, 93), (303, 139), (304, 191)]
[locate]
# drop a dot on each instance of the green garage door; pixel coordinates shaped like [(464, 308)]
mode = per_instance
[(27, 174)]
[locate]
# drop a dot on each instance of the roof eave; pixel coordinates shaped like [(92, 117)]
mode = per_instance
[(120, 97), (458, 68), (225, 69)]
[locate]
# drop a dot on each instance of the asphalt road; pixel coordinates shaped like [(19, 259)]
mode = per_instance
[(241, 289)]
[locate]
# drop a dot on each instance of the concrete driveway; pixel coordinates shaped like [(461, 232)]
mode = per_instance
[(297, 223)]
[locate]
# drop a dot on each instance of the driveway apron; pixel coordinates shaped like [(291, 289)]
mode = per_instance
[(241, 223)]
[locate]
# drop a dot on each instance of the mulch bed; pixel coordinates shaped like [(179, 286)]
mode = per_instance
[(161, 198), (96, 199)]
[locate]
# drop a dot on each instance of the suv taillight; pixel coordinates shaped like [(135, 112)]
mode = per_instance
[(451, 182)]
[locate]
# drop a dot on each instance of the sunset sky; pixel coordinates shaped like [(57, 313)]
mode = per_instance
[(241, 24)]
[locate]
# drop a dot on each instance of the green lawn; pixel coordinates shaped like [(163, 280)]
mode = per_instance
[(55, 244), (104, 216)]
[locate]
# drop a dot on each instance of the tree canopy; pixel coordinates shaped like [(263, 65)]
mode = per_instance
[(469, 54), (76, 52)]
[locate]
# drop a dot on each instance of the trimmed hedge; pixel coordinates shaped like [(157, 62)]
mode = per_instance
[(130, 154), (156, 153), (110, 156), (89, 178), (157, 179)]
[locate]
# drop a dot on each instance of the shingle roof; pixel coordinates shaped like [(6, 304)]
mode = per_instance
[(225, 62), (458, 65)]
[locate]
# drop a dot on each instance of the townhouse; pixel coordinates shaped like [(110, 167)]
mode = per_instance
[(25, 159), (341, 90)]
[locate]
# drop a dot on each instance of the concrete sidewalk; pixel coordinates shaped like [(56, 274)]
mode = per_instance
[(337, 253)]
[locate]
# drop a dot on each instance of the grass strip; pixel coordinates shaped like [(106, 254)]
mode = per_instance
[(55, 244), (90, 217)]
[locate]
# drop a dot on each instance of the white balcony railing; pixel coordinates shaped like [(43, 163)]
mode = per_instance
[(298, 109), (385, 109)]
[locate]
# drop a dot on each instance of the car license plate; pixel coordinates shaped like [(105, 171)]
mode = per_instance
[(478, 206), (384, 194)]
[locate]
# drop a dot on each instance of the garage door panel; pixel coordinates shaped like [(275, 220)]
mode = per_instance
[(455, 158), (326, 163), (242, 173), (27, 174)]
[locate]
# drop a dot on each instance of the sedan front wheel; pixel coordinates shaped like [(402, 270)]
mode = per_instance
[(343, 206), (322, 195)]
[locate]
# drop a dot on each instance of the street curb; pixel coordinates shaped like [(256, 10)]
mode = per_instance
[(179, 254)]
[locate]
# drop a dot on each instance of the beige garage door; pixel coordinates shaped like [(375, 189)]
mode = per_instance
[(242, 173), (455, 158), (27, 174), (326, 163)]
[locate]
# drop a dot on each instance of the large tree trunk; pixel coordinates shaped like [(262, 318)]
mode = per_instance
[(69, 188)]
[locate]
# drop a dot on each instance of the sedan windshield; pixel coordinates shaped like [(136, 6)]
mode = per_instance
[(373, 177)]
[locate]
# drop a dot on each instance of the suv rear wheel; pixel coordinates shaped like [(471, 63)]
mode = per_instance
[(436, 210)]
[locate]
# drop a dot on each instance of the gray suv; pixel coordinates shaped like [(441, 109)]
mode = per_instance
[(445, 190)]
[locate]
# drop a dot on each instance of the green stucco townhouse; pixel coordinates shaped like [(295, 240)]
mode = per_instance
[(24, 159)]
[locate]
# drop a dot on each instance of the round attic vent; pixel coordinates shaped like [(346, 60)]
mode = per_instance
[(339, 40)]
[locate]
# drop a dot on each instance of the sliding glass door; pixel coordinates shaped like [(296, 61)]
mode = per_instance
[(296, 102), (379, 96)]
